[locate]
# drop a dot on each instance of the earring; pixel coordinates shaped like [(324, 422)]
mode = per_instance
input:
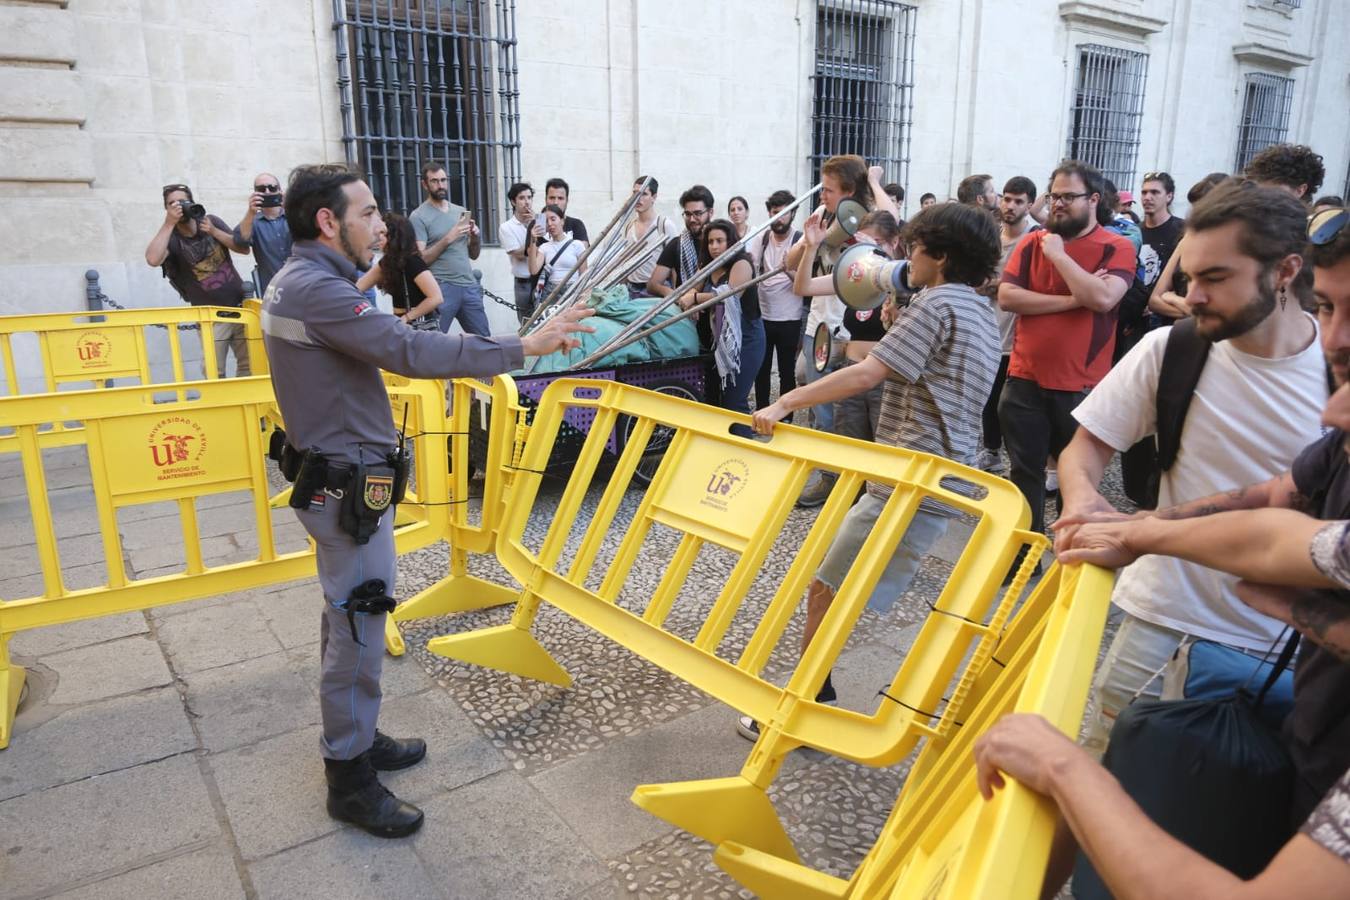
[(1283, 296)]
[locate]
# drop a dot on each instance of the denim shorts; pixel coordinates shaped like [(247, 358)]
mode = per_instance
[(923, 532)]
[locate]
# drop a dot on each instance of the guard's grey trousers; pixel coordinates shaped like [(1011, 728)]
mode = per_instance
[(349, 685)]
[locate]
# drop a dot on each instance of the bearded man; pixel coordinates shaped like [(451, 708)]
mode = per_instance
[(1064, 283), (1257, 403)]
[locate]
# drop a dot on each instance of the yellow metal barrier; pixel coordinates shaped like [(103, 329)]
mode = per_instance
[(942, 840), (205, 441), (459, 591), (736, 493), (75, 349)]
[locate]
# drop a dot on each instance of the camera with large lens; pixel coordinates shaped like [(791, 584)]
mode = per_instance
[(192, 210)]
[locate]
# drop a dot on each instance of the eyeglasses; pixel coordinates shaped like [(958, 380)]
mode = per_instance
[(1324, 226), (267, 188), (1065, 199), (698, 214)]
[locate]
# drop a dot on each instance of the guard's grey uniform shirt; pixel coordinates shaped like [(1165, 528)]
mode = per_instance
[(326, 345)]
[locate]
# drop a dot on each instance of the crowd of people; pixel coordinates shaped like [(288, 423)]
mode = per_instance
[(1059, 327)]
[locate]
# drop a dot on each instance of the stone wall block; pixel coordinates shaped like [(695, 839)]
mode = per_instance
[(41, 95), (37, 34)]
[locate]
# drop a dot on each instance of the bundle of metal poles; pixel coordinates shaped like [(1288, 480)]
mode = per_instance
[(637, 329), (610, 251), (614, 257)]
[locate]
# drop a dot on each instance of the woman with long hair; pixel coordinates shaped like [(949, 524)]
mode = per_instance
[(733, 328), (403, 275), (558, 255), (738, 211)]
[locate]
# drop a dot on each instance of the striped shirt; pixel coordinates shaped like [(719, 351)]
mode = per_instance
[(943, 353)]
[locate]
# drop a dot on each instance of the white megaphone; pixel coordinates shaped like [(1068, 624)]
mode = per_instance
[(863, 277), (848, 215)]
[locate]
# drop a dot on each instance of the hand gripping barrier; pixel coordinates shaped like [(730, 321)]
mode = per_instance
[(97, 347), (204, 441), (942, 840), (459, 591), (736, 493)]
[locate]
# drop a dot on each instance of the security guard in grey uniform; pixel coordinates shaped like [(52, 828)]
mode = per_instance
[(326, 346)]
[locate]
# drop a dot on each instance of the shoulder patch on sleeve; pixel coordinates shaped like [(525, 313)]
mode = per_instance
[(362, 308)]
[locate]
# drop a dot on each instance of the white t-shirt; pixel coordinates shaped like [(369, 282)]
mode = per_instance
[(667, 229), (777, 302), (513, 234), (1248, 418), (566, 261)]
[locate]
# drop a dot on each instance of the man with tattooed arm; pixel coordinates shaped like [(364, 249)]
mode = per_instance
[(1277, 532)]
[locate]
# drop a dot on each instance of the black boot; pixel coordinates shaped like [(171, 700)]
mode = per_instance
[(356, 796), (391, 754)]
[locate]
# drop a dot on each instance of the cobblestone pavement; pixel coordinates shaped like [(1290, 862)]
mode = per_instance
[(173, 752)]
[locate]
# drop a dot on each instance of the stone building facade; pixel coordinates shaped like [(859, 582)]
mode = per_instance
[(104, 101)]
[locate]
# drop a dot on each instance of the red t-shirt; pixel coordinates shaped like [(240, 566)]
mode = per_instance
[(1066, 351)]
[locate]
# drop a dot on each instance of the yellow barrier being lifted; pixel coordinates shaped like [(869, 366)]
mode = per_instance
[(459, 591), (716, 488), (73, 348), (204, 441), (942, 840)]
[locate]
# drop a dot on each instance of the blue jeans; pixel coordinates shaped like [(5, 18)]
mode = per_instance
[(737, 397), (921, 534), (465, 303), (824, 413)]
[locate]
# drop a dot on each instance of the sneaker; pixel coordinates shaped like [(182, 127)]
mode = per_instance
[(817, 490), (747, 728), (1051, 481), (826, 693), (990, 461)]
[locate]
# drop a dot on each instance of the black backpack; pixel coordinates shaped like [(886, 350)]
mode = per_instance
[(1183, 361)]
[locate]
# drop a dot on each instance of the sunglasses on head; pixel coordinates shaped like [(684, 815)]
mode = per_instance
[(1325, 225)]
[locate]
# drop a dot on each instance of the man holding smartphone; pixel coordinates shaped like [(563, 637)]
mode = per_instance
[(449, 239), (264, 228)]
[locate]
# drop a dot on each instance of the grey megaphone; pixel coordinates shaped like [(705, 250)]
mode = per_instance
[(863, 277), (848, 216)]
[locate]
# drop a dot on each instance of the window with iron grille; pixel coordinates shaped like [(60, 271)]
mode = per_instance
[(431, 79), (1108, 109), (864, 84), (1265, 115)]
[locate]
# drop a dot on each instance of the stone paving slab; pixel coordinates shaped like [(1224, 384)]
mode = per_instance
[(102, 825), (205, 637), (209, 874), (273, 792), (108, 669), (55, 638), (293, 614), (248, 701), (347, 865), (75, 744), (500, 838), (593, 791)]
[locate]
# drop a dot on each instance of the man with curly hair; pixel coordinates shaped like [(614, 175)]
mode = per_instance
[(1294, 167), (942, 350)]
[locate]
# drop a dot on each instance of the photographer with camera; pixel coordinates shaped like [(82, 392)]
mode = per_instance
[(192, 249), (264, 228)]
